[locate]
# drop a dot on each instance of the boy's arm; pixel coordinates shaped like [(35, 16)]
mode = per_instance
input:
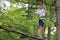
[(35, 13)]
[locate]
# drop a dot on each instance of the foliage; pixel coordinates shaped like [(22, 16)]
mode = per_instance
[(26, 24)]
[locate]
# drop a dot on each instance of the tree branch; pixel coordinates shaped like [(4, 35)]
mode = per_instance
[(14, 30)]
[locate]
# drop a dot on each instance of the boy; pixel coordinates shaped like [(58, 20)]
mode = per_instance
[(41, 12)]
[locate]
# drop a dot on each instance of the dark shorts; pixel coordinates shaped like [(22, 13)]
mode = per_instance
[(41, 23)]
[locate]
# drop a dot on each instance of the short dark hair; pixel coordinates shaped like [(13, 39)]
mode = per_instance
[(40, 3)]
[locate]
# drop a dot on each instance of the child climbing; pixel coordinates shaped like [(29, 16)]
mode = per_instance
[(41, 12)]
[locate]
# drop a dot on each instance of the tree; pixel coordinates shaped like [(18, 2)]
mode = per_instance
[(58, 18), (14, 19)]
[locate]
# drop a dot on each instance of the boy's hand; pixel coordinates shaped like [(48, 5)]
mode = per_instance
[(46, 12), (35, 14)]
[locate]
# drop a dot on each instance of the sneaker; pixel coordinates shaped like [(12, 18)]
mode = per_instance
[(45, 38), (39, 37)]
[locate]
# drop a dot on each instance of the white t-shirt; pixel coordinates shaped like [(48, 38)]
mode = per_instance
[(41, 13)]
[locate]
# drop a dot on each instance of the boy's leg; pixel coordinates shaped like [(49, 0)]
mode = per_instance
[(41, 31), (41, 28)]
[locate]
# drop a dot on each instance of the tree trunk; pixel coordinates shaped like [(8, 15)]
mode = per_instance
[(58, 18), (49, 30)]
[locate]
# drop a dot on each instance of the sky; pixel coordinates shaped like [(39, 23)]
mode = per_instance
[(6, 5)]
